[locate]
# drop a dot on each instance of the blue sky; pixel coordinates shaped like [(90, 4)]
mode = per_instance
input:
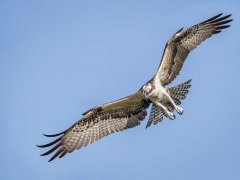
[(60, 58)]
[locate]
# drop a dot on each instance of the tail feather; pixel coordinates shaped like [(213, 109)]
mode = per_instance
[(177, 101), (179, 97), (156, 116), (178, 93)]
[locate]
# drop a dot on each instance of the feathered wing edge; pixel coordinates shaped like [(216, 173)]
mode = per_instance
[(184, 41), (57, 143), (98, 123)]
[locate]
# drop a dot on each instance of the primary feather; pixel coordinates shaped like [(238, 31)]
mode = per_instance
[(184, 41)]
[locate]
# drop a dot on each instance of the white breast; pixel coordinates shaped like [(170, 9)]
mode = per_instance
[(158, 94)]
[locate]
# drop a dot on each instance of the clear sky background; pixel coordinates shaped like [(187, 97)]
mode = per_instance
[(60, 58)]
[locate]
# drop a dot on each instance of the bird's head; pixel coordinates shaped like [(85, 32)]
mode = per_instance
[(146, 89)]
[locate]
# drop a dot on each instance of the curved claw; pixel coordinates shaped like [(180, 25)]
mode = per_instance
[(171, 116), (179, 110)]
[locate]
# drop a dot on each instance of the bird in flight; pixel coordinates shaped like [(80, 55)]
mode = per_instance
[(128, 112)]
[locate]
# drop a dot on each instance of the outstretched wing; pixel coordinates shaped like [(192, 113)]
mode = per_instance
[(98, 123), (183, 41)]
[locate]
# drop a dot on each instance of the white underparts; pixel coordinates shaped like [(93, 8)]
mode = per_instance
[(159, 96)]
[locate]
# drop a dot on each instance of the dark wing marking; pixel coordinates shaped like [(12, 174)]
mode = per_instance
[(100, 122), (183, 41)]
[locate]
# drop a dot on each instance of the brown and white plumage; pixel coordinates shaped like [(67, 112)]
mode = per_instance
[(128, 112), (177, 93), (100, 122), (183, 41)]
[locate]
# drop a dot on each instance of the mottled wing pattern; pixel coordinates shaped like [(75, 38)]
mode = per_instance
[(98, 123), (183, 41)]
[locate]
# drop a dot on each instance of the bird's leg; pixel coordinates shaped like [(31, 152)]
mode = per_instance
[(170, 114), (178, 109)]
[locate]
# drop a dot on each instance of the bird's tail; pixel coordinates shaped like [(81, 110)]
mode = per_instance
[(177, 93)]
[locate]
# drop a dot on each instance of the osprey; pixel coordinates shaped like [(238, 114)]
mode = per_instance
[(128, 112)]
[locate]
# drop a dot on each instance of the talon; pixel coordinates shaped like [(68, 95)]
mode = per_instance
[(179, 110), (171, 116)]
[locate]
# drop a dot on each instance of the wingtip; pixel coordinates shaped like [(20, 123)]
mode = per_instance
[(54, 135), (40, 146), (59, 152), (216, 18), (43, 154), (223, 27), (50, 160), (51, 143), (51, 135), (48, 135), (227, 16)]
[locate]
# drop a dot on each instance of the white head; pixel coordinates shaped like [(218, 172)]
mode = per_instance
[(147, 89)]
